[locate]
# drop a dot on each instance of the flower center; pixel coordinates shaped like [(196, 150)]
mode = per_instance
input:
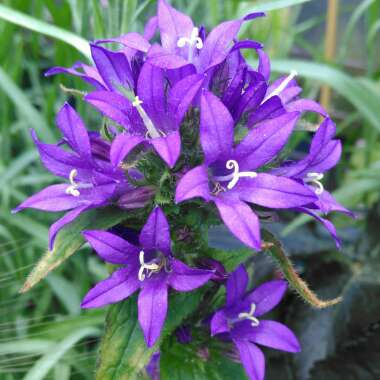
[(282, 86), (151, 129), (193, 41), (74, 186), (254, 321), (150, 268), (234, 177), (314, 179)]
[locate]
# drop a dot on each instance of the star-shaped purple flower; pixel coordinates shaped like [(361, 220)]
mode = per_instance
[(150, 267), (186, 47), (324, 154), (92, 181), (229, 178), (149, 115), (240, 320)]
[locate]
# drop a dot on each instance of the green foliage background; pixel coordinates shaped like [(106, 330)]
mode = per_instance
[(44, 334)]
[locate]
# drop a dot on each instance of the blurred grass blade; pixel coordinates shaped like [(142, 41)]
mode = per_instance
[(350, 28), (24, 106), (267, 6), (26, 346), (364, 97), (42, 27), (43, 365)]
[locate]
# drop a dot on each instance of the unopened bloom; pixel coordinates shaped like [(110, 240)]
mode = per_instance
[(240, 320), (90, 180), (150, 267), (229, 177)]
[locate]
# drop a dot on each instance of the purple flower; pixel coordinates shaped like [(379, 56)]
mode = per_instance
[(324, 154), (186, 47), (92, 181), (150, 267), (240, 320), (149, 115), (228, 176)]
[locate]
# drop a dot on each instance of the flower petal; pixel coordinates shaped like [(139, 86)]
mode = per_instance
[(117, 108), (183, 93), (240, 220), (119, 286), (164, 59), (275, 335), (89, 74), (72, 127), (110, 247), (251, 99), (252, 359), (264, 142), (327, 203), (58, 161), (267, 296), (219, 323), (216, 128), (152, 307), (122, 146), (325, 222), (274, 192), (131, 40), (156, 232), (184, 279), (168, 147), (236, 285), (269, 109), (151, 28), (194, 183), (218, 44), (306, 105), (173, 25), (62, 222), (151, 91), (52, 198), (113, 67)]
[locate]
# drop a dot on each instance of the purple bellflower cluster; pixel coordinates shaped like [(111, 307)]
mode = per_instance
[(218, 126)]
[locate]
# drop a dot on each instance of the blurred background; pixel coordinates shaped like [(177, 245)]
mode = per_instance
[(335, 48)]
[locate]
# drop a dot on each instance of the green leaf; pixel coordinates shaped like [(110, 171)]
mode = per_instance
[(365, 98), (25, 108), (267, 6), (197, 361), (42, 27), (69, 240), (42, 366), (123, 351)]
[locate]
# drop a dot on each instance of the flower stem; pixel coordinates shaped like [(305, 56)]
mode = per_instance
[(277, 253)]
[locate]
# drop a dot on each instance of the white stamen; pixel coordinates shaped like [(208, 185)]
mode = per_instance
[(254, 321), (152, 131), (150, 267), (236, 175), (193, 41), (73, 189), (282, 86), (314, 179)]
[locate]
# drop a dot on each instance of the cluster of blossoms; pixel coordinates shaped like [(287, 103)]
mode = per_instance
[(218, 125)]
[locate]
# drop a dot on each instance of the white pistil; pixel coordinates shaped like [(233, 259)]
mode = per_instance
[(254, 321), (282, 86), (193, 41), (149, 267), (314, 179), (152, 131), (236, 175), (73, 188)]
